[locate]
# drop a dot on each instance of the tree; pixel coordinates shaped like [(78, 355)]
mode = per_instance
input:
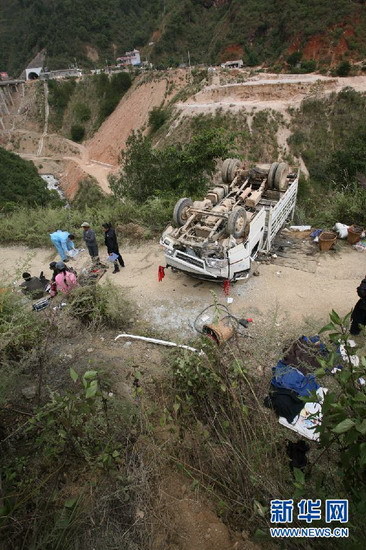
[(177, 169)]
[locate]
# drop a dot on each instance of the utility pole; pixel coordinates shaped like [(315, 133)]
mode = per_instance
[(189, 67)]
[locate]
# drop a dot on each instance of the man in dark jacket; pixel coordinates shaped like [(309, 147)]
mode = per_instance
[(34, 287), (91, 242), (358, 316), (110, 240)]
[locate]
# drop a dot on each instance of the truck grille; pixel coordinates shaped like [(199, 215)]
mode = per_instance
[(190, 260)]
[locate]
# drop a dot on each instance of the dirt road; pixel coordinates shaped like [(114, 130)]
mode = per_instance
[(292, 291)]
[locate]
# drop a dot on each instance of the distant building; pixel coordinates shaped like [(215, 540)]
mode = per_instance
[(130, 58), (237, 64)]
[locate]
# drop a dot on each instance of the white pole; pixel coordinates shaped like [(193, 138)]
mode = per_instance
[(160, 342)]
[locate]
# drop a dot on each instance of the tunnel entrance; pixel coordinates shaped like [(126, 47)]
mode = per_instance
[(33, 76)]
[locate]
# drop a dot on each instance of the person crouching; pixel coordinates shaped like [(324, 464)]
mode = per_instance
[(65, 280)]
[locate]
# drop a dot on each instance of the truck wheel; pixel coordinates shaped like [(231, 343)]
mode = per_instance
[(280, 177), (229, 167), (180, 213), (271, 174), (237, 222), (233, 167)]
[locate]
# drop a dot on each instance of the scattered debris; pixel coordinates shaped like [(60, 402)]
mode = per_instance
[(360, 246), (341, 229), (300, 227)]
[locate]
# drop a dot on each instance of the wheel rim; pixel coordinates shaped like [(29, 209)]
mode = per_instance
[(184, 213)]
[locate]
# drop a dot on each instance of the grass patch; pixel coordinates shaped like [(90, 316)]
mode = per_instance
[(33, 226)]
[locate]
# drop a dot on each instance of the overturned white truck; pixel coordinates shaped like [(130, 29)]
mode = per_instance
[(217, 238)]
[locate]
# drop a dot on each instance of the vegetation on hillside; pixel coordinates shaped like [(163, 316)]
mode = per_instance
[(329, 134), (97, 32), (255, 141), (77, 109), (177, 169), (83, 462), (150, 183), (71, 474), (20, 184)]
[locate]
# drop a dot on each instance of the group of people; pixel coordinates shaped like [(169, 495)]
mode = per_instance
[(64, 243), (63, 279)]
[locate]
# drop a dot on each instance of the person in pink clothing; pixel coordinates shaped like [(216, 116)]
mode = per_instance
[(65, 280)]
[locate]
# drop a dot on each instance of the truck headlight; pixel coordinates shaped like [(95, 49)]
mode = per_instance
[(169, 251), (216, 263)]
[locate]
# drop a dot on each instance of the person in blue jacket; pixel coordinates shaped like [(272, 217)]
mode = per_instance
[(63, 241)]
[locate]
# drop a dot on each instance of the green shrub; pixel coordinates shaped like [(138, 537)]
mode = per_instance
[(101, 305), (308, 66), (20, 327), (294, 58), (343, 69), (77, 133), (157, 117)]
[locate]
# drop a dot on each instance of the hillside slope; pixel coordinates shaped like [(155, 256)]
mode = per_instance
[(259, 31)]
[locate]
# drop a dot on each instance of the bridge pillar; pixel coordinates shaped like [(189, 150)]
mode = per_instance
[(9, 94), (3, 103)]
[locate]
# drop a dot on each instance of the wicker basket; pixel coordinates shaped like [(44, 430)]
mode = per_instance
[(326, 240), (354, 234), (220, 332)]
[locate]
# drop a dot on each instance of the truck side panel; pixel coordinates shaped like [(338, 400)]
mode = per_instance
[(279, 214)]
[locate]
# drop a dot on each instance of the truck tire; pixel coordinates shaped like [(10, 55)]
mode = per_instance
[(229, 167), (237, 222), (233, 167), (180, 213), (271, 174), (280, 177)]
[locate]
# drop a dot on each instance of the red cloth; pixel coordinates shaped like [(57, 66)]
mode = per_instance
[(161, 273), (227, 287)]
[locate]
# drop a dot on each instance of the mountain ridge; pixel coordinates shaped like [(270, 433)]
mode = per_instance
[(168, 32)]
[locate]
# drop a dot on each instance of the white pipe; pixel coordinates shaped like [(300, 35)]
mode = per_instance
[(161, 342)]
